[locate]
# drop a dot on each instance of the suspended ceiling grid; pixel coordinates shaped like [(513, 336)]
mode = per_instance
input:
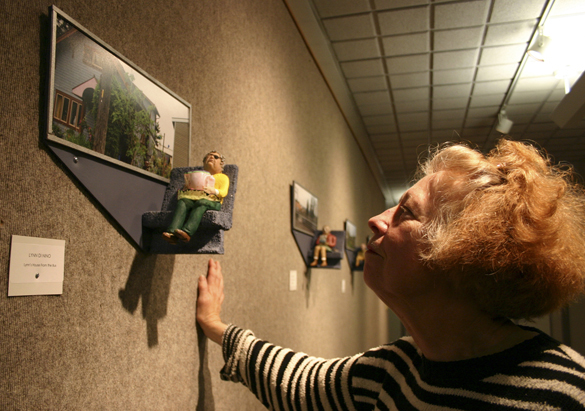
[(417, 72)]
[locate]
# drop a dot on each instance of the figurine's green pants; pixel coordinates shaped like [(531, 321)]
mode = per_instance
[(196, 208)]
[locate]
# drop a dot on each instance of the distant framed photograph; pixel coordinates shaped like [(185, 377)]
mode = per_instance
[(350, 235), (305, 209), (102, 104)]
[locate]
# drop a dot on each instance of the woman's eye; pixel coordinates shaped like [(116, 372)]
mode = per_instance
[(405, 212)]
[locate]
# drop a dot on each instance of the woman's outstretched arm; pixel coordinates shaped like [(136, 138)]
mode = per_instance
[(209, 302)]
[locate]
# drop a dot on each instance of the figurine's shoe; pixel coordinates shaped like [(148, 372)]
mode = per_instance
[(314, 263), (324, 264), (170, 238), (183, 236)]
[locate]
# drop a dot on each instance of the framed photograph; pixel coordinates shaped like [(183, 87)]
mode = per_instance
[(350, 235), (305, 210), (102, 104)]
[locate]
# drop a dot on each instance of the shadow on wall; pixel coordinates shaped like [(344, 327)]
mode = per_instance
[(149, 279), (205, 401)]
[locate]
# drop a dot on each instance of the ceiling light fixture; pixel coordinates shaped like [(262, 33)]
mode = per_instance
[(504, 123), (538, 49)]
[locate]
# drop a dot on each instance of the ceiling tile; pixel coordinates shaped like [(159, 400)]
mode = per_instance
[(363, 68), (352, 27), (412, 139), (445, 134), (486, 101), (548, 108), (408, 64), (537, 83), (454, 59), (381, 129), (491, 87), (449, 103), (410, 80), (472, 132), (542, 118), (413, 117), (519, 118), (404, 21), (502, 55), (416, 126), (411, 94), (386, 141), (568, 7), (537, 127), (460, 14), (512, 10), (375, 109), (372, 97), (410, 106), (499, 72), (484, 112), (457, 114), (378, 120), (384, 138), (447, 124), (534, 68), (539, 137), (511, 33), (327, 8), (524, 97), (356, 49), (479, 122), (458, 90), (522, 110), (457, 39), (406, 44), (453, 76), (395, 4), (367, 83)]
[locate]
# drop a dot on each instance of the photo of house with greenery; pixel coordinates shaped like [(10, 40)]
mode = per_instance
[(103, 105)]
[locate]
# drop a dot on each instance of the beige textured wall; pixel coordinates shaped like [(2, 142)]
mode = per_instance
[(258, 97)]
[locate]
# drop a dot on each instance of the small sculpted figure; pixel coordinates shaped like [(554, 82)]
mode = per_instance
[(204, 190), (361, 256), (325, 242)]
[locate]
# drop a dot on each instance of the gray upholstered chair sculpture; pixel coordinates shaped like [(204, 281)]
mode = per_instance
[(209, 236)]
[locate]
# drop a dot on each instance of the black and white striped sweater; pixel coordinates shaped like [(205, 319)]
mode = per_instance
[(538, 374)]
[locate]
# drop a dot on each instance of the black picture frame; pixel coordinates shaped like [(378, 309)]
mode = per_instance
[(102, 104)]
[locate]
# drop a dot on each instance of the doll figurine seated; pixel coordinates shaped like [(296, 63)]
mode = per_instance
[(325, 242), (361, 256), (203, 190)]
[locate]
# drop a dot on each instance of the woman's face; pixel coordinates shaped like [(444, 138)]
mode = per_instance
[(392, 267)]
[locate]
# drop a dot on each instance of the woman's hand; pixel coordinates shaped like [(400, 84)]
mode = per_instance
[(209, 302)]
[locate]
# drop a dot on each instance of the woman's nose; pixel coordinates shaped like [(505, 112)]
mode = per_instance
[(379, 224)]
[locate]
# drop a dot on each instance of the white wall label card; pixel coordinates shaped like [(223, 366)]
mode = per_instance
[(36, 266)]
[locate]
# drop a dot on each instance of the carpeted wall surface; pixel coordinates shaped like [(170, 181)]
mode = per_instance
[(258, 97)]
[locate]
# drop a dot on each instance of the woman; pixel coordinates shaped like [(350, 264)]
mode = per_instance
[(475, 243)]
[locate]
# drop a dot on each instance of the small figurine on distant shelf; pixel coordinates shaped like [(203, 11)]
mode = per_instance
[(360, 256), (325, 242), (203, 190)]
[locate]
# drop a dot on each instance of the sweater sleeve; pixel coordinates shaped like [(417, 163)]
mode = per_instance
[(282, 379), (222, 184)]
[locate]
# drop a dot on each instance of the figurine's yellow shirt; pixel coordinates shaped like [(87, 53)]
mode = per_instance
[(222, 184)]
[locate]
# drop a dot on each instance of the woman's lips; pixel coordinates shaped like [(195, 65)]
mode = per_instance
[(371, 250)]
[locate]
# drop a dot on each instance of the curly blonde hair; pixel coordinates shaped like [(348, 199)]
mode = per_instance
[(509, 228)]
